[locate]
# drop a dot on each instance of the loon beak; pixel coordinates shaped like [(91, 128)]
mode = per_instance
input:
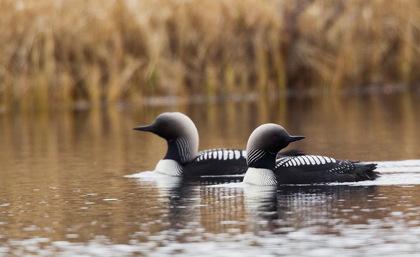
[(294, 138), (148, 128)]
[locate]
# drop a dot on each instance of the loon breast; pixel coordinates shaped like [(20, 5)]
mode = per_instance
[(260, 177), (169, 167)]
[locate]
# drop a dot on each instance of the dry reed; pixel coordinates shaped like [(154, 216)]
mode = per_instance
[(117, 50)]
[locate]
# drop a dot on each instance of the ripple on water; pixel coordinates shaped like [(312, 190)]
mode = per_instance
[(398, 166), (395, 234), (353, 240)]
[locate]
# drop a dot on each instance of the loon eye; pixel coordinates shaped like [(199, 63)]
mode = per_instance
[(275, 137), (165, 125)]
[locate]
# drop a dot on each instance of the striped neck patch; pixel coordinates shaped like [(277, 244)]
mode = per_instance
[(184, 149), (254, 155)]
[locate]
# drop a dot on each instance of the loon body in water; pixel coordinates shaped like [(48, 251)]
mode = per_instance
[(183, 158), (265, 169)]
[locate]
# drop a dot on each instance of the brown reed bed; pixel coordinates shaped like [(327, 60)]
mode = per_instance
[(62, 52)]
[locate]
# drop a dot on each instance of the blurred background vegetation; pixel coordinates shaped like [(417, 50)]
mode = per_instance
[(64, 52)]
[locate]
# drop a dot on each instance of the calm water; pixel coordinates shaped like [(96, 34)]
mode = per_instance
[(71, 183)]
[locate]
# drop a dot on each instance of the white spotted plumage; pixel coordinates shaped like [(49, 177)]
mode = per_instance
[(311, 159), (304, 160), (281, 161), (342, 167), (243, 153), (219, 154), (237, 154), (225, 154), (231, 154)]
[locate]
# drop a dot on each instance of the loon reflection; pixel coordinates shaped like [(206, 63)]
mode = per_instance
[(191, 203), (190, 206), (291, 207)]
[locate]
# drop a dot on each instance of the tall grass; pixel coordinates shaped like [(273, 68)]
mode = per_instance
[(61, 51)]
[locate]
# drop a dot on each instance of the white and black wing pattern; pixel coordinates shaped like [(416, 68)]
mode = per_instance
[(315, 163), (235, 154), (304, 160), (218, 162), (308, 169), (220, 155)]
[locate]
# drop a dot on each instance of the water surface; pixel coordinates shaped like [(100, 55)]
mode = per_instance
[(65, 191)]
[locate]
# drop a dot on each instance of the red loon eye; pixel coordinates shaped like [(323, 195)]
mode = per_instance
[(275, 137), (165, 125)]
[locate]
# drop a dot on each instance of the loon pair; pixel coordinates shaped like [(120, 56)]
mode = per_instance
[(261, 161), (182, 157)]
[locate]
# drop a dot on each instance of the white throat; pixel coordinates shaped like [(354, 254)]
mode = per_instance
[(169, 167), (260, 177)]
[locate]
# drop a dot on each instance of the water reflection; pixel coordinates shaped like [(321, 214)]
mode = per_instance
[(354, 128), (263, 209), (63, 180), (292, 207)]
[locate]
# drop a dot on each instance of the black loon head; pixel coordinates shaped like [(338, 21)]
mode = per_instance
[(180, 133), (264, 144)]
